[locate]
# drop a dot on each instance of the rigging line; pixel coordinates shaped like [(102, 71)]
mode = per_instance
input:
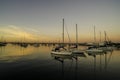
[(108, 38), (109, 58), (67, 32)]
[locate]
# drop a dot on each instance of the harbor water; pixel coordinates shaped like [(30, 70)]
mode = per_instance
[(38, 63)]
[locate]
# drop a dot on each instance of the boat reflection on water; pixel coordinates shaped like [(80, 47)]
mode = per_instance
[(73, 58), (76, 56), (106, 61), (61, 59), (99, 65), (37, 63), (102, 54), (107, 58)]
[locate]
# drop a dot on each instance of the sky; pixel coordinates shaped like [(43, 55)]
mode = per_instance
[(41, 20)]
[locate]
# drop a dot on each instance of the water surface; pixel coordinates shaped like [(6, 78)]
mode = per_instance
[(37, 63)]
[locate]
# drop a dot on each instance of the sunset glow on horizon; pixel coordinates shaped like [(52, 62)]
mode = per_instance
[(41, 20)]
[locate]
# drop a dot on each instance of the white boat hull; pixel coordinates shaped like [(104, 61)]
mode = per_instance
[(61, 53), (106, 48), (94, 51)]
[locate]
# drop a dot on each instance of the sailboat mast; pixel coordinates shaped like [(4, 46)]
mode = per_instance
[(76, 35), (100, 36), (105, 35), (94, 35), (63, 31), (24, 38)]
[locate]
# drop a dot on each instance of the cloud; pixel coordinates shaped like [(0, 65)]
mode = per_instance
[(12, 32)]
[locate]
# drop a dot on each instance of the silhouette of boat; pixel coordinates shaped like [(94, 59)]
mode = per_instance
[(3, 44), (76, 51), (57, 50), (24, 45)]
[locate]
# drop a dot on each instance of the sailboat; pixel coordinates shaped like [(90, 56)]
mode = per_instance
[(94, 49), (3, 43), (76, 51), (57, 50), (105, 46), (24, 44), (65, 56)]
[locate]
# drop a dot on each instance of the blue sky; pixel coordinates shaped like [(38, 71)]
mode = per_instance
[(43, 18)]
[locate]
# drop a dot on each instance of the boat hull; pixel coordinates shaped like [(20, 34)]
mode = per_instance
[(77, 52), (61, 53), (94, 51)]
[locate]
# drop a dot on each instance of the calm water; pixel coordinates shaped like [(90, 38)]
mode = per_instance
[(37, 63)]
